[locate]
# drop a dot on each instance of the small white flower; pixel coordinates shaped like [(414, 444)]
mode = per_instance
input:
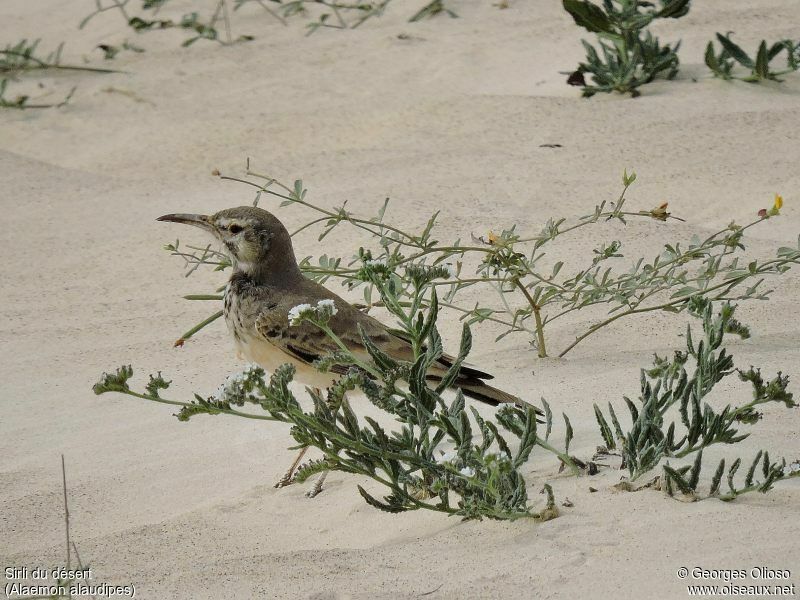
[(226, 390), (233, 386), (375, 262), (467, 472), (250, 369), (791, 468), (326, 307), (296, 313), (447, 457), (451, 270)]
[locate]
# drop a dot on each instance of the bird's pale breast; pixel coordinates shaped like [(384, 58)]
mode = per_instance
[(256, 349)]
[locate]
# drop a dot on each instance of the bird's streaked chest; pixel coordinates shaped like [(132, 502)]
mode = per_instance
[(239, 310)]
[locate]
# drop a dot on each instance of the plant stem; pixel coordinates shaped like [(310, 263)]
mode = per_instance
[(224, 411), (566, 459), (66, 508), (536, 315), (40, 64), (200, 325)]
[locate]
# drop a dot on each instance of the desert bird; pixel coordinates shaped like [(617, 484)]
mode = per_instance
[(267, 283)]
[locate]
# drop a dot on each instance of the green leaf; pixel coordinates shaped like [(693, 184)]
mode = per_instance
[(711, 58), (605, 430), (694, 475), (762, 68), (617, 428), (349, 419), (527, 439), (548, 418), (674, 9), (588, 16), (777, 47), (390, 508), (732, 473), (735, 51), (748, 480), (501, 441), (382, 360), (717, 478), (678, 479), (568, 434)]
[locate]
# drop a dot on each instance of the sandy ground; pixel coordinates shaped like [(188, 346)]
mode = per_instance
[(452, 117)]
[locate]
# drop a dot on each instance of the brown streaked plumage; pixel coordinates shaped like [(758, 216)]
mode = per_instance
[(267, 283)]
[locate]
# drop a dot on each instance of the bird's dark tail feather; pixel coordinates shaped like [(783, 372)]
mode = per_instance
[(479, 390)]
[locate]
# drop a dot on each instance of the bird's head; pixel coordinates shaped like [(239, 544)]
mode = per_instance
[(254, 239)]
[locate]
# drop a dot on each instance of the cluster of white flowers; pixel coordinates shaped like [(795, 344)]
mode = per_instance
[(450, 457), (297, 313), (324, 309), (792, 468), (231, 388), (375, 262)]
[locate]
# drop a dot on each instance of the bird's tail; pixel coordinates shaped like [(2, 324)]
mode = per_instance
[(479, 390)]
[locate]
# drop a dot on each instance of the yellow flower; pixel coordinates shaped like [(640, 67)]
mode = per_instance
[(493, 238), (778, 201)]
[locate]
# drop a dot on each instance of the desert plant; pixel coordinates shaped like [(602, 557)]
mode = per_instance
[(24, 57), (478, 475), (722, 64), (23, 101), (531, 293), (333, 14), (201, 28), (631, 55), (684, 382)]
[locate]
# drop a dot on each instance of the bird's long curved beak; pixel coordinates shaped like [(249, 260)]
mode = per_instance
[(201, 221)]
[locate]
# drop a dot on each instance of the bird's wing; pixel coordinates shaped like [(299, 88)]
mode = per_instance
[(307, 342), (304, 342)]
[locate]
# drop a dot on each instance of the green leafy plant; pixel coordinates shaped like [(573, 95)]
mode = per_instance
[(532, 290), (722, 64), (333, 14), (629, 54), (23, 57), (440, 456), (201, 28), (684, 382)]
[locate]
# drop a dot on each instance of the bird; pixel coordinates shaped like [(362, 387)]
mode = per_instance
[(266, 283)]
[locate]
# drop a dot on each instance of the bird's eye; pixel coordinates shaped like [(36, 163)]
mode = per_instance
[(235, 228)]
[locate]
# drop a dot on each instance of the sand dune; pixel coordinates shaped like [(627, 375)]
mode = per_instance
[(451, 118)]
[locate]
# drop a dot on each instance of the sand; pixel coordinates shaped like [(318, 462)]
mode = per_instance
[(451, 118)]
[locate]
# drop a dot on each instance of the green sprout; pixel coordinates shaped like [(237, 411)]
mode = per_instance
[(722, 64)]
